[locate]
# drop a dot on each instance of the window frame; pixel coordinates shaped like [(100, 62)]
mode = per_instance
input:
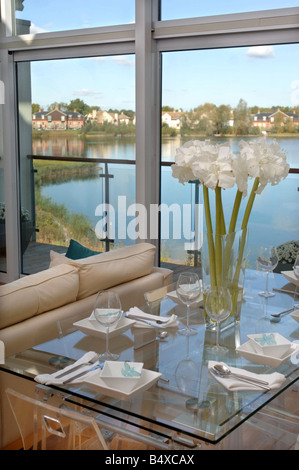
[(147, 38)]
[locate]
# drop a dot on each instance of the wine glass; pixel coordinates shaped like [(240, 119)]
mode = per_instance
[(218, 305), (186, 373), (188, 291), (296, 273), (267, 261), (107, 311), (296, 267)]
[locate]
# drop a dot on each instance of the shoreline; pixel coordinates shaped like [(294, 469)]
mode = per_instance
[(83, 135)]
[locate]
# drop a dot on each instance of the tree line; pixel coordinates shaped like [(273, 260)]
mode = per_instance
[(206, 119)]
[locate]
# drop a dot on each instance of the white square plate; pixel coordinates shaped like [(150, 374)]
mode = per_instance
[(247, 351), (147, 379), (173, 296), (90, 326), (295, 315), (290, 276)]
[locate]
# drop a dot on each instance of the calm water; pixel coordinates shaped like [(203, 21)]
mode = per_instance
[(275, 215)]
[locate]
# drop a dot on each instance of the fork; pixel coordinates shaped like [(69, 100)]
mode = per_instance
[(78, 366), (80, 374), (149, 322)]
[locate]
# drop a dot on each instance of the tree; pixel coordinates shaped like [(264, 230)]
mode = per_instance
[(222, 116), (35, 108), (79, 106), (241, 118), (60, 105)]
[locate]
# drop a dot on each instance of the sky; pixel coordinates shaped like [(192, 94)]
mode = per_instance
[(262, 76)]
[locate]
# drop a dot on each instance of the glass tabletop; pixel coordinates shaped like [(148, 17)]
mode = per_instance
[(188, 399)]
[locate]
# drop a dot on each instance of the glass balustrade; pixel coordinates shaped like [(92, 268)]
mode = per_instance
[(70, 203)]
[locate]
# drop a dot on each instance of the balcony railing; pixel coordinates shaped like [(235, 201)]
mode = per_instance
[(111, 174)]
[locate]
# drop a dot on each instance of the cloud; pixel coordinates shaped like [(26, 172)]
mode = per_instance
[(123, 60), (34, 29), (261, 52), (86, 92), (120, 59)]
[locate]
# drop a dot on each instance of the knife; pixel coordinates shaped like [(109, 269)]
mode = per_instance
[(284, 291), (74, 368), (98, 366)]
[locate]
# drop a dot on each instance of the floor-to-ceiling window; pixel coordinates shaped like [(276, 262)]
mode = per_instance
[(77, 153), (228, 96), (217, 60)]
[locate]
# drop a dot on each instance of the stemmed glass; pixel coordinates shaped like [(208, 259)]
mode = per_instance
[(296, 267), (296, 273), (188, 290), (107, 311), (218, 305), (267, 261), (186, 373)]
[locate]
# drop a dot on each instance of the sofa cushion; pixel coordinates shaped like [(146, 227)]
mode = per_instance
[(111, 268), (78, 251), (38, 293)]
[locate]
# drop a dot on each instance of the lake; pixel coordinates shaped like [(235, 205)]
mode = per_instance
[(274, 219)]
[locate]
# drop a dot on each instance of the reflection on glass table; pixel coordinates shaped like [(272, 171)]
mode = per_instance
[(198, 408)]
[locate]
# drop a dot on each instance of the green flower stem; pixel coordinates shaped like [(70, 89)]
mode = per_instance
[(233, 220), (244, 228), (230, 239), (250, 203), (209, 235), (218, 238)]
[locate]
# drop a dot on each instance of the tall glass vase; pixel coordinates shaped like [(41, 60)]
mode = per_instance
[(223, 259)]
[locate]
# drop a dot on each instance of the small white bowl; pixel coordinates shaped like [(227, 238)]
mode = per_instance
[(270, 344), (122, 375)]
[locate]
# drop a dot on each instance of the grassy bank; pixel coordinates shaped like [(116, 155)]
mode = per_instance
[(57, 225), (59, 171)]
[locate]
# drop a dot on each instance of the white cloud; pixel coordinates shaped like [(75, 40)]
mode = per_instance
[(34, 29), (123, 60), (86, 92), (261, 52), (120, 59)]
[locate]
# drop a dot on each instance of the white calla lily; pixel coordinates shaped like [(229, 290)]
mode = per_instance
[(217, 168)]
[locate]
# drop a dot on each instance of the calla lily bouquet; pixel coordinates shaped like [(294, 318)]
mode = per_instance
[(217, 168)]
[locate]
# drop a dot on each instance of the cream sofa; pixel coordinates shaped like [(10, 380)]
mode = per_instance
[(32, 307)]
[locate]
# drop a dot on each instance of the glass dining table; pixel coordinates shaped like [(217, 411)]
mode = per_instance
[(187, 405)]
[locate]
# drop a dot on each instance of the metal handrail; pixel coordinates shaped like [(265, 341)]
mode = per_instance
[(105, 160)]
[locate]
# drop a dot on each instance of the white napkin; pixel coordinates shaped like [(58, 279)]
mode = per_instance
[(290, 276), (135, 312), (48, 379), (275, 380), (174, 296)]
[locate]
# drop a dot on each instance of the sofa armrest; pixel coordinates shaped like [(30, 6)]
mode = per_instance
[(167, 274)]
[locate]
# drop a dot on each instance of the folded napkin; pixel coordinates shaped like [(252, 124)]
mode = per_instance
[(275, 380), (174, 296), (136, 313), (52, 379), (290, 276)]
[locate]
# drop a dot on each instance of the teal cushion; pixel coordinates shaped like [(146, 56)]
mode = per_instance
[(78, 251)]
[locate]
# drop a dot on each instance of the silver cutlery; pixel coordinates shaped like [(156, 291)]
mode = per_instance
[(224, 371), (285, 291), (277, 315), (78, 366), (70, 379), (156, 323), (162, 335)]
